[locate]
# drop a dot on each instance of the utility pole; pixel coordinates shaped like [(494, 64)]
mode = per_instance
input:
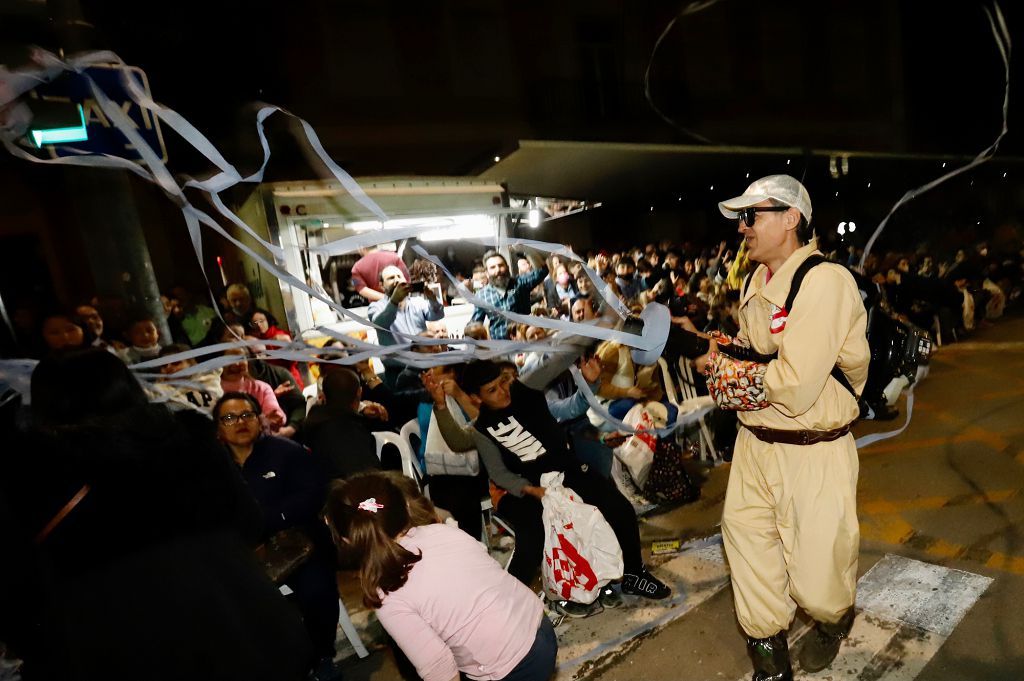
[(104, 209)]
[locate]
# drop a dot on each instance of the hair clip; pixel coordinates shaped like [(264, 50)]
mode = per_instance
[(370, 505)]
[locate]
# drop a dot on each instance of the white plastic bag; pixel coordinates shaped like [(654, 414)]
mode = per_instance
[(581, 553), (624, 481), (637, 452), (439, 458)]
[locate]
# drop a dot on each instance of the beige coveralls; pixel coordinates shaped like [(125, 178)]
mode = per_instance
[(790, 521)]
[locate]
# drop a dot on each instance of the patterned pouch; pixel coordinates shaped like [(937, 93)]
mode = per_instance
[(736, 385)]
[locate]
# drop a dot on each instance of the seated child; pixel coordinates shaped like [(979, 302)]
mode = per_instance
[(197, 391), (143, 342)]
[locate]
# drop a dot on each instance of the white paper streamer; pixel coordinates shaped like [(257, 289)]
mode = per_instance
[(691, 8), (229, 176), (16, 84), (1002, 38), (642, 342), (1003, 44), (682, 418)]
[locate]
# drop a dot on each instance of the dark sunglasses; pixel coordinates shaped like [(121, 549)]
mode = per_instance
[(748, 215)]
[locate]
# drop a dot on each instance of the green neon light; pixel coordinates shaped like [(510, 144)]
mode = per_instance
[(62, 135)]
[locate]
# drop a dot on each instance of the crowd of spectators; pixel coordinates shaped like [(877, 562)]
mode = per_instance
[(947, 296), (97, 432)]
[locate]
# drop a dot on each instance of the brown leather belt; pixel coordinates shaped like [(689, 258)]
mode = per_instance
[(797, 437)]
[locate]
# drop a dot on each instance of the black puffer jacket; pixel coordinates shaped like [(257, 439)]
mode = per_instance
[(340, 441), (149, 575)]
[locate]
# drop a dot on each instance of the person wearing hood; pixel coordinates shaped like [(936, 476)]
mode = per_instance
[(131, 535), (401, 313)]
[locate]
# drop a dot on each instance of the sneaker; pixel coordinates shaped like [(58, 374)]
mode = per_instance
[(645, 584), (610, 597), (577, 610)]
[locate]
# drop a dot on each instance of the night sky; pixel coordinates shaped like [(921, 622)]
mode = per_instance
[(870, 75), (439, 88)]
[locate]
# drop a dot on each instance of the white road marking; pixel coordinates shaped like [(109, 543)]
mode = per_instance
[(926, 596), (878, 648), (906, 611)]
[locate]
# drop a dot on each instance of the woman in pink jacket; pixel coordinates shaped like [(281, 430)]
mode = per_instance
[(438, 593)]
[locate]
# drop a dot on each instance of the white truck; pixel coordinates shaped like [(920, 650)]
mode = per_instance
[(304, 215)]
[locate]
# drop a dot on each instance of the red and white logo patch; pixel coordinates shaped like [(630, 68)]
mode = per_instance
[(779, 316)]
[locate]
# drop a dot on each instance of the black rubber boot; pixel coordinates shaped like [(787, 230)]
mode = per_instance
[(821, 645), (770, 657)]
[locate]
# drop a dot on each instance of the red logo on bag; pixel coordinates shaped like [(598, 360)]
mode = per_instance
[(570, 569), (779, 316), (642, 429)]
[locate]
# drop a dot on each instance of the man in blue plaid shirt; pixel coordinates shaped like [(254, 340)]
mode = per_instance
[(506, 293)]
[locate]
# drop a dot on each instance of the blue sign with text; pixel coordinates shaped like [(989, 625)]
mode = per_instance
[(104, 137)]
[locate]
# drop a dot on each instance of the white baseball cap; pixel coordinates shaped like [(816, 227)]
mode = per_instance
[(784, 188)]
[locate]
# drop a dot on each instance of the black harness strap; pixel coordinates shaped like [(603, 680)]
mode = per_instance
[(794, 288), (798, 277)]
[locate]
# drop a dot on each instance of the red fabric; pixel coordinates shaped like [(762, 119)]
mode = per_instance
[(293, 369), (273, 333), (366, 271)]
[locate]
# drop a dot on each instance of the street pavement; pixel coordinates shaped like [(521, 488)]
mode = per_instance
[(941, 587)]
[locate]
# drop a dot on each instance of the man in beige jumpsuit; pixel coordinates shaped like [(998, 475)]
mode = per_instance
[(790, 520)]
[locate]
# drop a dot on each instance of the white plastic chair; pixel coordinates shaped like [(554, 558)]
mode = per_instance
[(345, 622), (312, 394), (410, 467), (490, 515), (508, 529), (687, 382), (688, 391), (669, 381), (412, 427)]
